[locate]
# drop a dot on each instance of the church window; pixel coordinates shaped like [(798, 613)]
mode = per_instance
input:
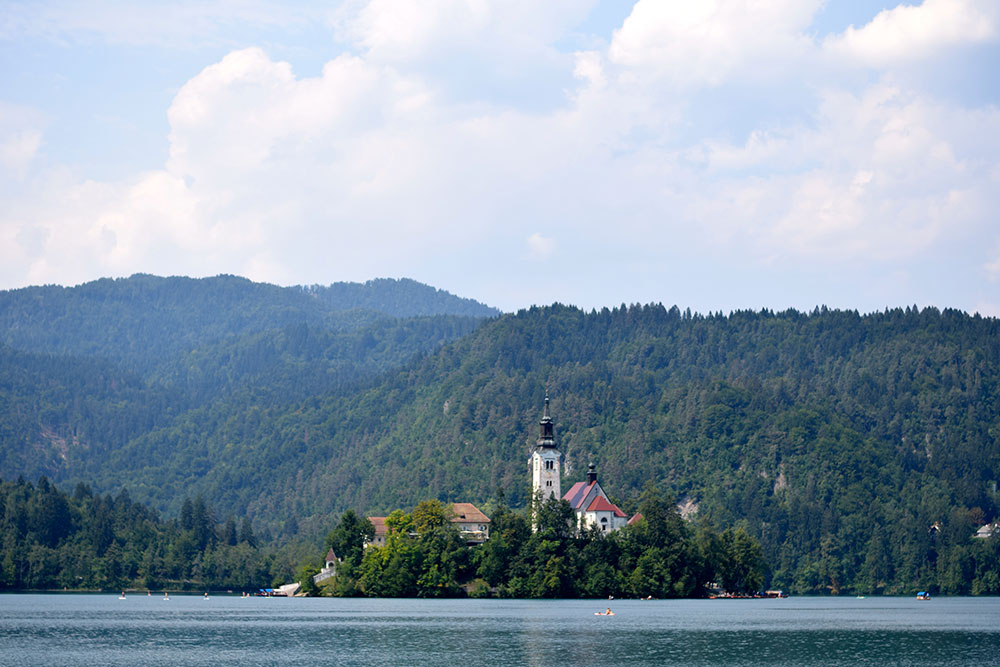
[(549, 465), (548, 483)]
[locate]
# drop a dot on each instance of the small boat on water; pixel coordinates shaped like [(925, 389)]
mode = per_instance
[(923, 595)]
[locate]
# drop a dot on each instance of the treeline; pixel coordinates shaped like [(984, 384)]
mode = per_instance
[(52, 540), (659, 556)]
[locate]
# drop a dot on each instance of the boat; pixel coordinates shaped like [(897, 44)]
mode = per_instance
[(923, 595)]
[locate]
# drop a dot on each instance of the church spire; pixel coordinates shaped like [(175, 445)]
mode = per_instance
[(545, 461), (546, 430)]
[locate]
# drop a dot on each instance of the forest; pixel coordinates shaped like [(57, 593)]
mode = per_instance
[(84, 541), (541, 555), (862, 451)]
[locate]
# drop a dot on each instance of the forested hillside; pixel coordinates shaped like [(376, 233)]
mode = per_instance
[(86, 370), (398, 298), (145, 320), (861, 450)]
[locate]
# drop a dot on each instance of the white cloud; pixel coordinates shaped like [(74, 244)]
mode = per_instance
[(911, 33), (880, 176), (993, 267), (372, 168), (20, 138), (540, 247), (707, 42), (408, 31), (17, 149)]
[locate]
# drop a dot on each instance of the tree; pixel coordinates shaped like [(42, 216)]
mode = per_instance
[(306, 583), (349, 537), (246, 533), (430, 514)]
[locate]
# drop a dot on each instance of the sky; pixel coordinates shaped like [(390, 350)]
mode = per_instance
[(716, 155)]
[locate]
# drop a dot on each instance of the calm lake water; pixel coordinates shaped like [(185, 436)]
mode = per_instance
[(189, 630)]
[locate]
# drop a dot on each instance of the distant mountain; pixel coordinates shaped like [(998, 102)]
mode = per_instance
[(85, 370), (144, 319), (398, 298)]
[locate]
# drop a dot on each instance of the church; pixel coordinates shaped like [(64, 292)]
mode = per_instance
[(589, 501)]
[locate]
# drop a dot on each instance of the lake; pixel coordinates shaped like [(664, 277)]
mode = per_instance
[(67, 629)]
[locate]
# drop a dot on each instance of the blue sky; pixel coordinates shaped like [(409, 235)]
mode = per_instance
[(715, 155)]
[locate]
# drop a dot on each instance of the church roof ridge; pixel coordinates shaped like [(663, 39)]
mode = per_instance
[(602, 504)]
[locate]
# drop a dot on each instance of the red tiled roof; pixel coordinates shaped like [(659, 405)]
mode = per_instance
[(635, 519), (601, 504), (578, 493), (379, 523), (467, 513), (330, 556)]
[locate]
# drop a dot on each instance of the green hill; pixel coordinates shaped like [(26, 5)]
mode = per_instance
[(841, 441), (143, 320), (86, 370), (861, 450)]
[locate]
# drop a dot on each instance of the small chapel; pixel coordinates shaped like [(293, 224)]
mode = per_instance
[(590, 503)]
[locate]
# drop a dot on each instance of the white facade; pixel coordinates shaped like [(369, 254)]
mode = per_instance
[(606, 520), (592, 505), (544, 465)]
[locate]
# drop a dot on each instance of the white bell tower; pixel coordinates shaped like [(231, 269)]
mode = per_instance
[(544, 462)]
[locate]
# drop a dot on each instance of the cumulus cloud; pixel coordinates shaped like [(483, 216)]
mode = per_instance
[(876, 176), (911, 33), (374, 167), (707, 42), (408, 31)]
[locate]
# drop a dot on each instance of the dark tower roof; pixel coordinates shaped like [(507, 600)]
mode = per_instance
[(546, 430), (591, 474)]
